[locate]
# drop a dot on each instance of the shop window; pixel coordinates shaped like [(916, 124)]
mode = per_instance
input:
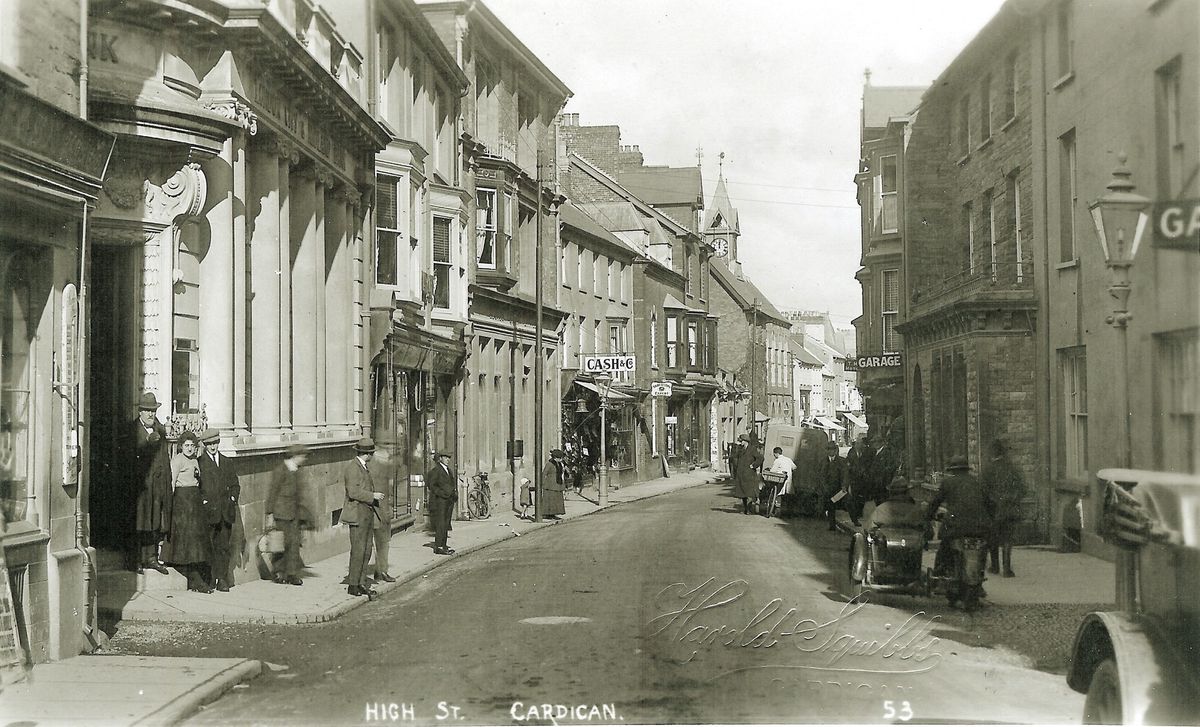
[(441, 262), (620, 438), (18, 324)]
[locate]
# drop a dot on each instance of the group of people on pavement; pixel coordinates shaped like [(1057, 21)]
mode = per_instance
[(869, 486), (186, 502)]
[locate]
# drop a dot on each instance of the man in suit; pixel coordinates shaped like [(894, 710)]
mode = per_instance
[(286, 509), (443, 493), (144, 452), (860, 464), (219, 490), (382, 475), (361, 513), (835, 478)]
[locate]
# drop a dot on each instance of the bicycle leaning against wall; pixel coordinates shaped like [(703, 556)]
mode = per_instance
[(478, 497)]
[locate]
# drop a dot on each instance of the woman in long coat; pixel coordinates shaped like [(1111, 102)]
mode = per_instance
[(553, 484), (746, 477), (187, 546)]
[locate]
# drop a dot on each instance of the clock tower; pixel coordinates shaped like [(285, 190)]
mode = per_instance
[(721, 229)]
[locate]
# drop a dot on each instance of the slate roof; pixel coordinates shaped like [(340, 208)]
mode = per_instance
[(883, 103), (746, 293), (802, 353), (664, 185), (579, 219)]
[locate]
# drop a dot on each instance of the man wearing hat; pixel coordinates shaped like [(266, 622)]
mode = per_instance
[(286, 509), (747, 477), (146, 455), (967, 510), (554, 483), (442, 489), (219, 490), (834, 478), (360, 513), (899, 510)]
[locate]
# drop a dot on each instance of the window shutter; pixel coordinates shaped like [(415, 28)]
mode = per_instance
[(441, 240)]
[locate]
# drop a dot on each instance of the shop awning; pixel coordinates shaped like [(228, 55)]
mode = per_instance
[(827, 423), (760, 417), (613, 394), (856, 420)]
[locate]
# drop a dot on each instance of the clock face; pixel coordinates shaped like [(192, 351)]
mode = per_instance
[(720, 247)]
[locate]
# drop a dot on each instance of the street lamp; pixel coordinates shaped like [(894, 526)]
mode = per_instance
[(1120, 218), (603, 379)]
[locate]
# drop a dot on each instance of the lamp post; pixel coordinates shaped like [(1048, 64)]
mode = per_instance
[(1120, 218), (602, 382)]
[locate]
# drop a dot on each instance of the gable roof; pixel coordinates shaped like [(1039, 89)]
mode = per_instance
[(796, 345), (883, 103), (722, 209), (665, 185), (573, 216), (746, 294)]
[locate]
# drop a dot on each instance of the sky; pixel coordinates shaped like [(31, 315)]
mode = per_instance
[(774, 84)]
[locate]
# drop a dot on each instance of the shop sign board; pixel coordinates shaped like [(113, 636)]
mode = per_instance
[(879, 361), (1177, 224), (660, 389), (610, 364), (671, 420)]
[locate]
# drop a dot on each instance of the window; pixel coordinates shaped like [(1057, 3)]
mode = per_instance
[(485, 227), (1010, 87), (579, 268), (505, 236), (693, 343), (441, 262), (964, 125), (985, 108), (1066, 40), (387, 61), (890, 309), (617, 280), (1014, 221), (616, 344), (597, 275), (1067, 196), (582, 330), (687, 273), (1178, 399), (1169, 129), (672, 337), (1073, 365), (19, 311), (989, 212), (653, 339), (887, 194), (969, 242), (387, 230)]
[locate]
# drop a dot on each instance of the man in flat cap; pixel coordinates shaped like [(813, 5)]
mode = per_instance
[(144, 452), (219, 490), (360, 512), (442, 489)]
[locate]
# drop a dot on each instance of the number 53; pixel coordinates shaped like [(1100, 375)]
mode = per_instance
[(904, 711)]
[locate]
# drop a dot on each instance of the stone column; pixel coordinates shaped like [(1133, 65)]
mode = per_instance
[(306, 267), (338, 307), (263, 209), (284, 309), (240, 329), (216, 292), (320, 291)]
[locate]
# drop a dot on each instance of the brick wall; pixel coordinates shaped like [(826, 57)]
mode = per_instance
[(600, 145)]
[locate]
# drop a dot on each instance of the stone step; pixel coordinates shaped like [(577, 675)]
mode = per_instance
[(128, 582)]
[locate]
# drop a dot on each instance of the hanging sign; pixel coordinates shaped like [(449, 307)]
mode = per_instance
[(612, 363), (1177, 224), (660, 389)]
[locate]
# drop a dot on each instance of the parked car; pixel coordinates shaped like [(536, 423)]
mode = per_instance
[(1140, 663)]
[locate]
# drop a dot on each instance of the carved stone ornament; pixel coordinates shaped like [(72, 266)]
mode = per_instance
[(182, 194), (126, 192), (235, 110)]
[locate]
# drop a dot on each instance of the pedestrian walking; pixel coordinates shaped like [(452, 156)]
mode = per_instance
[(554, 483), (383, 474), (286, 510), (187, 541), (219, 492), (859, 465), (360, 513), (834, 483), (1004, 488), (144, 453), (443, 493), (747, 476)]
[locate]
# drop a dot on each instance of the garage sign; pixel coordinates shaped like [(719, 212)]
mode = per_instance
[(1177, 224), (879, 361)]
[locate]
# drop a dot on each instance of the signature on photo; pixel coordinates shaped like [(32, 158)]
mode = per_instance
[(689, 616)]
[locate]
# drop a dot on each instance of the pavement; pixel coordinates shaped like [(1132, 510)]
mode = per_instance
[(137, 690)]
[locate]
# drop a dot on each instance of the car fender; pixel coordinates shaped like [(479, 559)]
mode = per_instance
[(1156, 687)]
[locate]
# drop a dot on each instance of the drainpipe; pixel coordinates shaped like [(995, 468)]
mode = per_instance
[(83, 62), (93, 635)]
